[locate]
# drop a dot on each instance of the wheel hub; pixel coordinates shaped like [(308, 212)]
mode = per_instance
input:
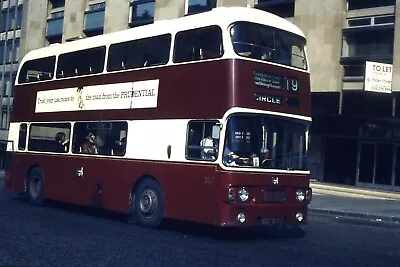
[(148, 202)]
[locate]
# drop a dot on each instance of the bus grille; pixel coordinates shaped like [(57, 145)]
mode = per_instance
[(274, 195)]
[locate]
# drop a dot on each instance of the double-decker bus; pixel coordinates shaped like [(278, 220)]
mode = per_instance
[(203, 118)]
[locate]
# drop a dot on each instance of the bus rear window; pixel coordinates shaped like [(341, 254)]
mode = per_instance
[(269, 44), (37, 70), (139, 53), (83, 62)]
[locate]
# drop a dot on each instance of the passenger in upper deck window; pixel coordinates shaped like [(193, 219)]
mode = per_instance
[(90, 146)]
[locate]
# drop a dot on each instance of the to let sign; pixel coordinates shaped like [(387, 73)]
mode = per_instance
[(378, 77)]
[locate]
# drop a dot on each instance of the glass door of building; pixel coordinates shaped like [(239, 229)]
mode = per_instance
[(366, 163), (378, 164)]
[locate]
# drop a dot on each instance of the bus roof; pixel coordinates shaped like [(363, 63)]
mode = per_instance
[(222, 16)]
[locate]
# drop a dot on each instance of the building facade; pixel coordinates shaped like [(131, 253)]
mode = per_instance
[(10, 36), (355, 135)]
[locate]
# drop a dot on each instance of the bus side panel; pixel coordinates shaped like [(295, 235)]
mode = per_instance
[(111, 181), (60, 180), (18, 172), (189, 190)]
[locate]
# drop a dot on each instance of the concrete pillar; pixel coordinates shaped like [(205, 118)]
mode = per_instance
[(322, 25), (243, 3), (73, 19), (169, 9), (33, 28), (116, 16), (396, 52)]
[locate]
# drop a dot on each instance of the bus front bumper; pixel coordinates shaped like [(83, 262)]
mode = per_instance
[(233, 215)]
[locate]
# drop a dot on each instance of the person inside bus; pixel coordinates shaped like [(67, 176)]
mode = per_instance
[(229, 157), (62, 142), (120, 147), (90, 146), (208, 152)]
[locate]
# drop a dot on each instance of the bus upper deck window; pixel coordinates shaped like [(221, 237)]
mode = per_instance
[(270, 44), (198, 44), (37, 70)]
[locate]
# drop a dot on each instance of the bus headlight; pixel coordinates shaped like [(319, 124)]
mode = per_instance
[(243, 194), (300, 195)]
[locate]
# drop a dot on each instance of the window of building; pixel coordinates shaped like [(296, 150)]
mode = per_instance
[(55, 25), (16, 52), (354, 70), (361, 4), (142, 12), (368, 43), (12, 51), (198, 44), (7, 84), (23, 128), (57, 3), (19, 17), (94, 19), (49, 137), (57, 15), (100, 138), (4, 118), (282, 8), (37, 70), (139, 53), (2, 46), (11, 18), (202, 140), (366, 104), (97, 7), (84, 62), (197, 6), (371, 21)]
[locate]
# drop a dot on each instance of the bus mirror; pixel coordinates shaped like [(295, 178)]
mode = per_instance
[(215, 131)]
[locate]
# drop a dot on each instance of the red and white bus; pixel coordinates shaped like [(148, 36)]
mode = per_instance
[(203, 118)]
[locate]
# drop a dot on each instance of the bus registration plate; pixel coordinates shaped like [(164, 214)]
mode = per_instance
[(271, 221)]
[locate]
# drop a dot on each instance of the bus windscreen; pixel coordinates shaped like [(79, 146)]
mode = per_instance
[(268, 44)]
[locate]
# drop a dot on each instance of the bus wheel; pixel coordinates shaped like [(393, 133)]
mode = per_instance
[(149, 204), (35, 186)]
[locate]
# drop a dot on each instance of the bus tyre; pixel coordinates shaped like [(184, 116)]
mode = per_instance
[(148, 207), (35, 186)]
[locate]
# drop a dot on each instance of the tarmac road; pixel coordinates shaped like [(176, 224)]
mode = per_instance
[(61, 235)]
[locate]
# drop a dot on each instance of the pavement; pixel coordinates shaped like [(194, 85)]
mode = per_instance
[(354, 202), (348, 201)]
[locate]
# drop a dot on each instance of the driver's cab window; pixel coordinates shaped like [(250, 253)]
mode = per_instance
[(202, 140)]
